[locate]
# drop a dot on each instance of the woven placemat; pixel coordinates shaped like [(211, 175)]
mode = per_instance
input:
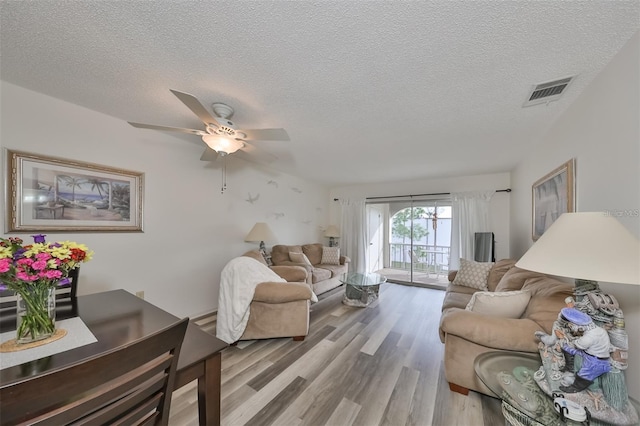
[(13, 345)]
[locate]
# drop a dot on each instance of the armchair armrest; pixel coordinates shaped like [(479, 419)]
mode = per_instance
[(491, 331), (274, 292), (291, 273)]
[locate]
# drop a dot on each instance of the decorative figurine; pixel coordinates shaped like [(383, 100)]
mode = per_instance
[(584, 357), (592, 346)]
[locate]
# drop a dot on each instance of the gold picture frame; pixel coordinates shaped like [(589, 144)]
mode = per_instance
[(552, 195), (50, 194)]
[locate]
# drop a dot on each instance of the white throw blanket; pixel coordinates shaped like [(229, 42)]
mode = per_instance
[(238, 282)]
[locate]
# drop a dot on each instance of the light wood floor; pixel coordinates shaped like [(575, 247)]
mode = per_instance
[(380, 365)]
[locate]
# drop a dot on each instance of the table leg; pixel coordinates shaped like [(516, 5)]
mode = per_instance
[(209, 392)]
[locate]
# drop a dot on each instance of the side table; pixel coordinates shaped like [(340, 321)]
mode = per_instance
[(361, 289), (509, 375)]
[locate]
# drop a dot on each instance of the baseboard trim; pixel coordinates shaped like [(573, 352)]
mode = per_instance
[(213, 314)]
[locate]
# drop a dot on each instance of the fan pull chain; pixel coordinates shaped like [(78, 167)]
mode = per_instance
[(224, 175)]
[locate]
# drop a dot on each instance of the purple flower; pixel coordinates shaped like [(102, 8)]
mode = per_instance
[(19, 254), (64, 281), (38, 239), (3, 287)]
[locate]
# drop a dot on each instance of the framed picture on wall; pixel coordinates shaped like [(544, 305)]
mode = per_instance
[(553, 194), (49, 194)]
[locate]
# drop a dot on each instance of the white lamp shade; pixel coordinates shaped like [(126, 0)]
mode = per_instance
[(590, 246), (260, 232), (332, 231), (223, 145)]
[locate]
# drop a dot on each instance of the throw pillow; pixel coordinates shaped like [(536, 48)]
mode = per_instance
[(506, 304), (299, 258), (473, 274), (331, 255)]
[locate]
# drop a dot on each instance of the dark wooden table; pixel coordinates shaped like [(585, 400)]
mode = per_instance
[(118, 317)]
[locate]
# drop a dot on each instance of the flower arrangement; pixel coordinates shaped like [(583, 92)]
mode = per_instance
[(34, 271)]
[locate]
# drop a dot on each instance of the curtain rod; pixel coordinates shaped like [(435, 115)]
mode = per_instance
[(420, 195)]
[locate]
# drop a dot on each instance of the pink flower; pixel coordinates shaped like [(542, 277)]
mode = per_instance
[(25, 262), (43, 256), (39, 265), (5, 264), (51, 274), (21, 275)]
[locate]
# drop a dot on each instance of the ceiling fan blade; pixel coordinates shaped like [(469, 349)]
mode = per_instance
[(209, 155), (196, 107), (170, 129), (266, 134), (253, 154)]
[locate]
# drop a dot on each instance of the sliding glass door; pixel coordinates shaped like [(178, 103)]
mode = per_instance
[(410, 239)]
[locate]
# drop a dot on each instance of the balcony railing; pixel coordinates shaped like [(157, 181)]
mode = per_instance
[(429, 258)]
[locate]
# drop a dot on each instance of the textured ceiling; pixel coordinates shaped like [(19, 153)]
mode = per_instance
[(368, 91)]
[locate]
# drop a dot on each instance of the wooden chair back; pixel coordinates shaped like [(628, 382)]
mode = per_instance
[(129, 385)]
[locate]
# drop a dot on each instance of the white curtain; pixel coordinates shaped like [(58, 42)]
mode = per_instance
[(353, 225), (470, 211)]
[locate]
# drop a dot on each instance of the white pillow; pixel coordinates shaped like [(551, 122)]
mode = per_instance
[(473, 274), (505, 304), (330, 255), (299, 258)]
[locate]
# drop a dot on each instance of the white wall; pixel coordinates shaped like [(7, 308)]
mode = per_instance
[(601, 130), (499, 203), (190, 230)]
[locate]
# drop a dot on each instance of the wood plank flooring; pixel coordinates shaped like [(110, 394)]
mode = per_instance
[(380, 365)]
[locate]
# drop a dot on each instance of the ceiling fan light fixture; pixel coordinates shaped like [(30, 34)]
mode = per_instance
[(221, 144)]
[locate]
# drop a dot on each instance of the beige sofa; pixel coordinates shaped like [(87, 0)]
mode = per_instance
[(322, 277), (279, 309), (467, 334)]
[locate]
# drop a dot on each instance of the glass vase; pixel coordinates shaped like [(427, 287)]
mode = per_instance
[(35, 314)]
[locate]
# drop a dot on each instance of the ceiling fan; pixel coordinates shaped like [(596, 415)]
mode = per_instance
[(220, 134)]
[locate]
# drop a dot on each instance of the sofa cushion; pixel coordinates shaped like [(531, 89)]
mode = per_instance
[(496, 273), (320, 274), (299, 258), (293, 274), (508, 304), (547, 298), (330, 256), (473, 274), (280, 253), (313, 252), (335, 269), (515, 278)]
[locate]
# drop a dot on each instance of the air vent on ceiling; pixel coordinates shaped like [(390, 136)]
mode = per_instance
[(547, 92)]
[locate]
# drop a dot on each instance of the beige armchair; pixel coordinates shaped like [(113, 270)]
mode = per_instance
[(279, 309)]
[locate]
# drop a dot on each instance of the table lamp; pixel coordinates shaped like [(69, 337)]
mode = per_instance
[(260, 233), (332, 232)]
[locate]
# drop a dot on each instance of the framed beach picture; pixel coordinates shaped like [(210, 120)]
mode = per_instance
[(553, 194), (49, 194)]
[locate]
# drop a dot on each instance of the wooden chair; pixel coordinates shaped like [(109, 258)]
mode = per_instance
[(129, 385)]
